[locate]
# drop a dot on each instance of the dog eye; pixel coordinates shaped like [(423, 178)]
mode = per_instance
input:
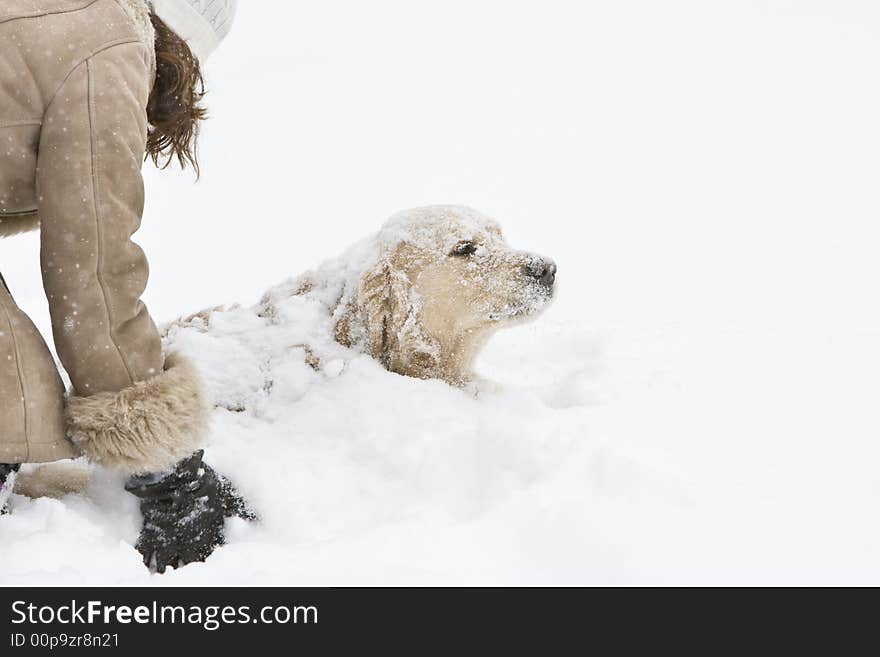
[(465, 248)]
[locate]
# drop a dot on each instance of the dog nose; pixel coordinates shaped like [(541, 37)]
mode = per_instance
[(544, 271)]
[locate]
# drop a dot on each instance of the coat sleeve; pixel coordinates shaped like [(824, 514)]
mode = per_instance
[(91, 200)]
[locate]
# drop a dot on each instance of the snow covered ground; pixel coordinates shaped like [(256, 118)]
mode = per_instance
[(698, 407)]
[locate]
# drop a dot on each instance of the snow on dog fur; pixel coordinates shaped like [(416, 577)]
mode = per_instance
[(420, 297)]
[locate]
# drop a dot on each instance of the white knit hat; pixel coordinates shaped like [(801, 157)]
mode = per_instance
[(201, 23)]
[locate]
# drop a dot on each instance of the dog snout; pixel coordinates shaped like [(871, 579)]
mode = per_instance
[(544, 271)]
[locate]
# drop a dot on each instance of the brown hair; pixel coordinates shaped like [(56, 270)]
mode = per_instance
[(174, 109)]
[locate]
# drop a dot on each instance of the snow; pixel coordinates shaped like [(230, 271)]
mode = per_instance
[(697, 407)]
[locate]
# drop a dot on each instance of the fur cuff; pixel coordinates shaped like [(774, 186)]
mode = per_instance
[(147, 427)]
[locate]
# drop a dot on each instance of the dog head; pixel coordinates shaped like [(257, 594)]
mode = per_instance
[(442, 280)]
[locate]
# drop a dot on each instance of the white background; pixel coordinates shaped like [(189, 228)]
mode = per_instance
[(705, 175)]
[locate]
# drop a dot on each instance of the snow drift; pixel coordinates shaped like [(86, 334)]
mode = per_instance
[(345, 452)]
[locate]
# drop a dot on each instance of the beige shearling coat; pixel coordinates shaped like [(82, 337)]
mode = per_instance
[(75, 77)]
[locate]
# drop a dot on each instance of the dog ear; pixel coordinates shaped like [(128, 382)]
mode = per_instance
[(389, 309), (377, 302)]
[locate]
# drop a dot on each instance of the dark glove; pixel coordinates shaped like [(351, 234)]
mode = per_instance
[(184, 513)]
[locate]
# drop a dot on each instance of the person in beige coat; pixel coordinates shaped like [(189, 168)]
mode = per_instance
[(88, 90)]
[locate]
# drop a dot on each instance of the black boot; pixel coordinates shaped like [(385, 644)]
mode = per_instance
[(7, 481), (184, 513)]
